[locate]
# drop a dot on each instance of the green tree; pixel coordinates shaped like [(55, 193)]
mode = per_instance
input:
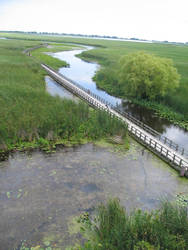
[(147, 76)]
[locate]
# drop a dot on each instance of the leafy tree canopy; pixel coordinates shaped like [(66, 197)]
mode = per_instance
[(148, 76)]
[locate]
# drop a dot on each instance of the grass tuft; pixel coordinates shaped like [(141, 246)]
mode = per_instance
[(113, 228)]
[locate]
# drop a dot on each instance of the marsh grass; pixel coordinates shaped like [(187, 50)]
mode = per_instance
[(41, 54), (113, 228), (30, 116)]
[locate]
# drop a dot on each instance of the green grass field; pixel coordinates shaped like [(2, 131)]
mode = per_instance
[(30, 117), (107, 54)]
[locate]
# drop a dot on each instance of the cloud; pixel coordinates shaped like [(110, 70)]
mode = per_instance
[(160, 20)]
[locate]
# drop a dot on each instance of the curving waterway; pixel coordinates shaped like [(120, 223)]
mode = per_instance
[(82, 72)]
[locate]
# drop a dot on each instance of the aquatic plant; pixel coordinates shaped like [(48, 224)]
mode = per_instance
[(113, 228)]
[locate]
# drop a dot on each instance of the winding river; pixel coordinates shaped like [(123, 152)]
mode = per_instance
[(82, 72)]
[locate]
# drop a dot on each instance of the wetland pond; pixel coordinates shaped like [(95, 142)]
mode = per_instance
[(82, 72), (41, 193)]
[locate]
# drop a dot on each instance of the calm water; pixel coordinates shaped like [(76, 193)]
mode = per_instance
[(82, 72), (55, 89), (40, 194)]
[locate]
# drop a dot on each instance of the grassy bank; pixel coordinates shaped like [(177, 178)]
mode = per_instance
[(114, 229), (30, 117), (107, 54), (43, 54)]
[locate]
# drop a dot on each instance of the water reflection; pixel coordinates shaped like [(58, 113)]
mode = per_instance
[(163, 126), (55, 89)]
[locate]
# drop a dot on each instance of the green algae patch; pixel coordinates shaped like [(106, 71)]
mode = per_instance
[(50, 146), (74, 226), (49, 242), (113, 147)]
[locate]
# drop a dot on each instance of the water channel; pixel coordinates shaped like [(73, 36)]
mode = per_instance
[(82, 72)]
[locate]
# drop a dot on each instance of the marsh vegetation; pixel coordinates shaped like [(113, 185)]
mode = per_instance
[(114, 229), (30, 117), (108, 53)]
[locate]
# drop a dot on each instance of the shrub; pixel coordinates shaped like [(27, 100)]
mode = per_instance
[(147, 76)]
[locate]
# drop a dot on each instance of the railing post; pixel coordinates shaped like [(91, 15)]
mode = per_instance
[(145, 138), (180, 162), (174, 158), (150, 141), (167, 153)]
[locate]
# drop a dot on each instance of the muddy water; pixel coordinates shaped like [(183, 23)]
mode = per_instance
[(40, 193), (82, 72)]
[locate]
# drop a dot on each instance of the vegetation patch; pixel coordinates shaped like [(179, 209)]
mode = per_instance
[(146, 76), (113, 146), (42, 57), (31, 118), (164, 111), (113, 228)]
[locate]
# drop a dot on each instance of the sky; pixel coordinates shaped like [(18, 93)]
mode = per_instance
[(143, 19)]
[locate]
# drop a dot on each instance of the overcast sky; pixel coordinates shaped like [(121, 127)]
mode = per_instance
[(146, 19)]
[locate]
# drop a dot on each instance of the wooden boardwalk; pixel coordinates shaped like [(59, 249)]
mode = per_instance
[(158, 144)]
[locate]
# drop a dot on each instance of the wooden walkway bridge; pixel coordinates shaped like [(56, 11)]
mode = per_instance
[(154, 141)]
